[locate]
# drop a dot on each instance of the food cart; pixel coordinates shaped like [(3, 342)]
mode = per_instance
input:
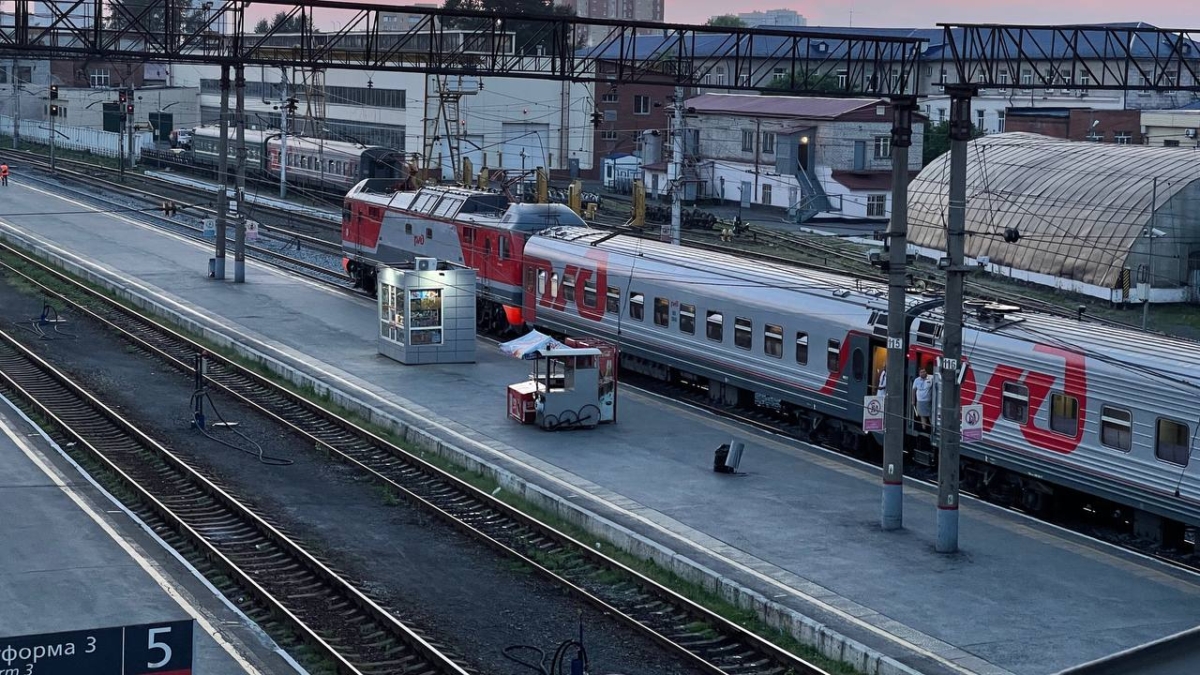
[(565, 389)]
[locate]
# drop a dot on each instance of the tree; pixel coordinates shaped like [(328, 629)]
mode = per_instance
[(937, 140), (262, 26), (726, 21), (530, 35), (784, 85), (283, 23)]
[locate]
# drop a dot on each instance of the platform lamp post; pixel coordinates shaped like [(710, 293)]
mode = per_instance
[(522, 175)]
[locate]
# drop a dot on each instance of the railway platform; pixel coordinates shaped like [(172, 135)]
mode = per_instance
[(73, 559), (796, 535)]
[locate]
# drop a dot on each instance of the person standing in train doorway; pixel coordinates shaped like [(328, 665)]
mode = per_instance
[(923, 399), (4, 174)]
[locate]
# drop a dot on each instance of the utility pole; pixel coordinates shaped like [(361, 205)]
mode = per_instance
[(285, 109), (16, 88), (894, 410), (53, 118), (239, 119), (950, 428), (129, 129), (675, 174), (222, 175), (122, 114)]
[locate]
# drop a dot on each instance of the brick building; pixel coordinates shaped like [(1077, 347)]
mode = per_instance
[(1123, 127)]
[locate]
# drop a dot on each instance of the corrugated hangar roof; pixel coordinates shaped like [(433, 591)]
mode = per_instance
[(1079, 206)]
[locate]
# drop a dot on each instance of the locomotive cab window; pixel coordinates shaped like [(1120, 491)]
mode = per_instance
[(612, 303), (773, 341), (469, 235), (743, 336), (637, 306), (662, 312), (1064, 414), (687, 319), (1016, 403), (1171, 441), (714, 326), (1116, 428), (502, 247), (802, 348), (832, 355)]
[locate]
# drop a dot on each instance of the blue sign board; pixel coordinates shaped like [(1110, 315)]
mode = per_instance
[(148, 649)]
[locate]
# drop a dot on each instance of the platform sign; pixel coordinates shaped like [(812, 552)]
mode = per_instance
[(972, 422), (872, 413), (148, 649), (208, 227)]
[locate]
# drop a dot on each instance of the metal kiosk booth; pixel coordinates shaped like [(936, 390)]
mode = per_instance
[(563, 392)]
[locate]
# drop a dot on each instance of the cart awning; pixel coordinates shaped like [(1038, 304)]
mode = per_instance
[(529, 346)]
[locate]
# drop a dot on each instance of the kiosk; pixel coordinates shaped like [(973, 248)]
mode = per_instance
[(566, 389), (427, 312)]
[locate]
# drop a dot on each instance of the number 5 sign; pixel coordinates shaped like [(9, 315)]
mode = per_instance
[(159, 649), (150, 649)]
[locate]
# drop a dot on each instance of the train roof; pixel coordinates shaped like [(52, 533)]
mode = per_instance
[(257, 136), (1144, 356), (481, 207)]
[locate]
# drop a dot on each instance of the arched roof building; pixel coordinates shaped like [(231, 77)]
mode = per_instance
[(1083, 211)]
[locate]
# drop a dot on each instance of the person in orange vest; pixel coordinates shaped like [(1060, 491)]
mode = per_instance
[(4, 174)]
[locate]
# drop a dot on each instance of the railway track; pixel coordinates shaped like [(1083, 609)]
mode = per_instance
[(289, 585), (699, 637)]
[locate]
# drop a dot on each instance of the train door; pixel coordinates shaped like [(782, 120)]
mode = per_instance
[(860, 383), (877, 367)]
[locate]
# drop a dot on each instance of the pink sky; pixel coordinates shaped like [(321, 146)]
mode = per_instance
[(927, 13)]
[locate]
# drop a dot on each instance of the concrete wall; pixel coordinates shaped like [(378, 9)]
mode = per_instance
[(1170, 127)]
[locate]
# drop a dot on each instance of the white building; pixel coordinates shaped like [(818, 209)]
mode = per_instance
[(497, 122), (773, 17)]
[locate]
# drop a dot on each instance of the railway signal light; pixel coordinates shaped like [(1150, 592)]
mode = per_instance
[(129, 109), (54, 110), (122, 97), (597, 118), (54, 92)]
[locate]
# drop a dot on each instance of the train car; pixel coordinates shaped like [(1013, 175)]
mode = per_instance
[(385, 221), (332, 166), (1073, 410)]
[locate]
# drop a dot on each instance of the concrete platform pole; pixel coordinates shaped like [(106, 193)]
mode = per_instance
[(222, 175), (895, 414), (950, 425), (239, 120)]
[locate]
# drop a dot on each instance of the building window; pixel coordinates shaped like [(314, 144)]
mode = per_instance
[(1003, 76), (773, 341), (99, 79), (1026, 79), (768, 142), (1116, 428), (608, 135), (1171, 442), (1094, 136), (883, 147), (610, 97), (1015, 406), (876, 206), (1000, 121), (687, 319), (714, 328), (1123, 138), (1064, 414), (742, 336), (1170, 144), (802, 348), (662, 312), (637, 307), (766, 194), (641, 105), (980, 119), (747, 140), (941, 114)]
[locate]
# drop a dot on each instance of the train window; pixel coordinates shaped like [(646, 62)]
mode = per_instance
[(714, 326), (742, 335), (589, 292), (802, 348), (1016, 403), (928, 332), (554, 285), (687, 319), (773, 341), (637, 309), (1171, 442), (502, 249), (468, 235), (613, 302), (662, 312), (541, 287), (832, 355), (487, 246), (1116, 428), (1064, 414), (568, 287), (408, 228)]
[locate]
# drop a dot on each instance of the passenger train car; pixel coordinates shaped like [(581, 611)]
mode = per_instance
[(1074, 411), (330, 165)]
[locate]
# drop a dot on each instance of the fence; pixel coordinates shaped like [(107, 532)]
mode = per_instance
[(83, 139)]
